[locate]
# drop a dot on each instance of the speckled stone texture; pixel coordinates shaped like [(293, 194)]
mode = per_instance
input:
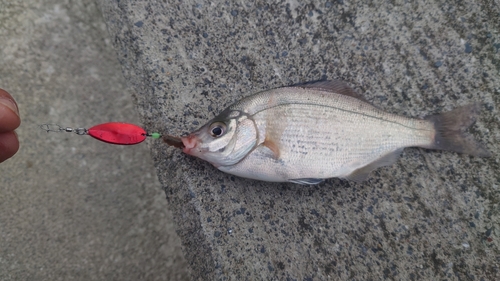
[(431, 216)]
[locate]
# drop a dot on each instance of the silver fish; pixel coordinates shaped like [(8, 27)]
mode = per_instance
[(307, 133)]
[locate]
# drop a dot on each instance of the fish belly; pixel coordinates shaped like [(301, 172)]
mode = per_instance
[(311, 140)]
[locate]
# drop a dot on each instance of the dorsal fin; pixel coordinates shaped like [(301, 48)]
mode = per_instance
[(332, 86)]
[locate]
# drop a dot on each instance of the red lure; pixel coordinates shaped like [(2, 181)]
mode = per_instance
[(118, 133), (115, 133)]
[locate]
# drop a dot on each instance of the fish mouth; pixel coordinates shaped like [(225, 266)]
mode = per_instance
[(189, 143)]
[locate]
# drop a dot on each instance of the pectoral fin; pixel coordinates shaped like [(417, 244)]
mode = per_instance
[(274, 130), (362, 173), (273, 147), (307, 181)]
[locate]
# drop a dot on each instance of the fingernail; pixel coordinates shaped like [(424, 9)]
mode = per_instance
[(10, 104)]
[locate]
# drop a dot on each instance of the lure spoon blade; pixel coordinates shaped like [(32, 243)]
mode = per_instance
[(118, 133)]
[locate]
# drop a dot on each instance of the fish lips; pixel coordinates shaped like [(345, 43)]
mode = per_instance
[(190, 143)]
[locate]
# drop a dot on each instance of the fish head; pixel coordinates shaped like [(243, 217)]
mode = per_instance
[(224, 140)]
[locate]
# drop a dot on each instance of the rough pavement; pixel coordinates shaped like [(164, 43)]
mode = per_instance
[(432, 215), (73, 208)]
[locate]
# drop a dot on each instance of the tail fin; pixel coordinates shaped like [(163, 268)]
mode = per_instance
[(450, 127)]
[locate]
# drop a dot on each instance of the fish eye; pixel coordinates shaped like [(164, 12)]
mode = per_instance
[(217, 129)]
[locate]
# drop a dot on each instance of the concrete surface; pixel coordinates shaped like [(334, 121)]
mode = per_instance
[(431, 216), (73, 208)]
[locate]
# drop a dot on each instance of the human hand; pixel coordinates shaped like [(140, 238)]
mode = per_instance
[(9, 121)]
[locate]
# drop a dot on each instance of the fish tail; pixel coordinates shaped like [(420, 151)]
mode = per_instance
[(450, 127)]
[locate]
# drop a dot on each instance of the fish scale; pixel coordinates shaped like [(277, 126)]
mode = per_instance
[(332, 141), (311, 132)]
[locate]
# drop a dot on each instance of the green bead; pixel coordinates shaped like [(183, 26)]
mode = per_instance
[(155, 135)]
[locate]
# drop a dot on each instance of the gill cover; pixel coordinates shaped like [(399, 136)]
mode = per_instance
[(226, 139)]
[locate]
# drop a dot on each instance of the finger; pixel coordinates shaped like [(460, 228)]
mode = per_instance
[(9, 144), (9, 113)]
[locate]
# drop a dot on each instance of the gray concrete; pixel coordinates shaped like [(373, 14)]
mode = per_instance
[(73, 208), (431, 216)]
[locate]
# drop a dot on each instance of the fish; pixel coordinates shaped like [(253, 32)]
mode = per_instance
[(310, 132)]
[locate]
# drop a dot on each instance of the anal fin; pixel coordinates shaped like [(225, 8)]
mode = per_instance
[(362, 173), (307, 181)]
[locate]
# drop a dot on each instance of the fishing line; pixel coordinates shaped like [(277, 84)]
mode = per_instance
[(114, 133)]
